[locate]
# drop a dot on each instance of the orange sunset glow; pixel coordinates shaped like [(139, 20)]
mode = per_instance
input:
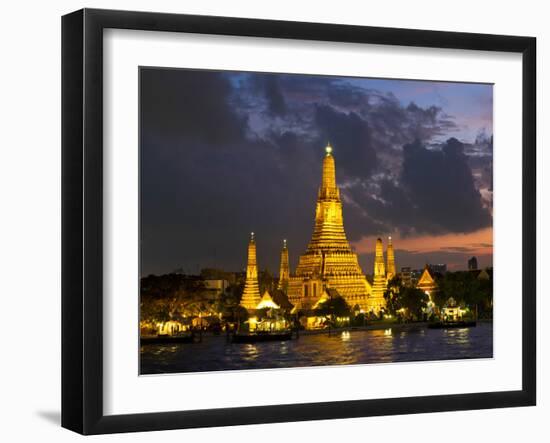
[(478, 243)]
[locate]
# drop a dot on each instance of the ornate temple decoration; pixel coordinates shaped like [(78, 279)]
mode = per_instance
[(284, 272), (390, 268), (276, 299), (251, 294), (329, 261), (427, 283), (267, 302), (379, 283)]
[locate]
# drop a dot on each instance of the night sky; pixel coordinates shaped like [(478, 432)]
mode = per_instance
[(227, 153)]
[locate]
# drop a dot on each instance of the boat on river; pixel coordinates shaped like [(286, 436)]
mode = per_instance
[(256, 337), (186, 337), (452, 324)]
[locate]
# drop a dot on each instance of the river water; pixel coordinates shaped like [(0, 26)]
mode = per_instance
[(395, 344)]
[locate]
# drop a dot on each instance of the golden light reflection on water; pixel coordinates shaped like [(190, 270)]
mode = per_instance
[(458, 336), (250, 352), (344, 347)]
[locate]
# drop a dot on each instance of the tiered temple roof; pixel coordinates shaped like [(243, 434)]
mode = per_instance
[(328, 261), (379, 277), (427, 283), (390, 268), (251, 294)]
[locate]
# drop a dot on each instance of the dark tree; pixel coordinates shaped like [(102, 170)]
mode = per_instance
[(391, 295), (332, 308), (413, 301)]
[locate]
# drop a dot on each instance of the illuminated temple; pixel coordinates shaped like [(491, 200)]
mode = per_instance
[(329, 261), (328, 266), (390, 269), (251, 294), (379, 282)]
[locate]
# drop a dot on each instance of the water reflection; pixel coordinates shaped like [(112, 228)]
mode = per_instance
[(378, 346)]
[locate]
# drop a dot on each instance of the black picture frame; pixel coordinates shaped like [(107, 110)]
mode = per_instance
[(82, 219)]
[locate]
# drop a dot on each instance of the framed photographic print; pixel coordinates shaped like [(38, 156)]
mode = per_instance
[(269, 221)]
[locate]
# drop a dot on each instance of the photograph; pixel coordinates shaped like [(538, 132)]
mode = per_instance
[(275, 220), (297, 220)]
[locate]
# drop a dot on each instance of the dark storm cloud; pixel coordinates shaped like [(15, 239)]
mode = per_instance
[(187, 109), (224, 154), (480, 157), (441, 185), (351, 134), (435, 193), (392, 124), (269, 86), (206, 185)]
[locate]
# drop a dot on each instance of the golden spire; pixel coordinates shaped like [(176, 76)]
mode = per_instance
[(329, 223), (328, 183), (284, 273), (251, 294), (391, 260), (379, 279), (328, 260), (379, 268)]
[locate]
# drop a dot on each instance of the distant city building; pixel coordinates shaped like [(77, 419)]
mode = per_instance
[(218, 274), (406, 276), (218, 285), (214, 288), (472, 264), (439, 268)]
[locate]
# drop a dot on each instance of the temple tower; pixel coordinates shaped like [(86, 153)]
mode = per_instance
[(390, 268), (284, 273), (328, 261), (379, 280), (251, 295)]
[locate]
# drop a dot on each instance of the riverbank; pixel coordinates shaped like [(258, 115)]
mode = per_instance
[(377, 325), (370, 326)]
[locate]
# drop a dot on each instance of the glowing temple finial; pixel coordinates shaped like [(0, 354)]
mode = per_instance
[(251, 236), (328, 149)]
